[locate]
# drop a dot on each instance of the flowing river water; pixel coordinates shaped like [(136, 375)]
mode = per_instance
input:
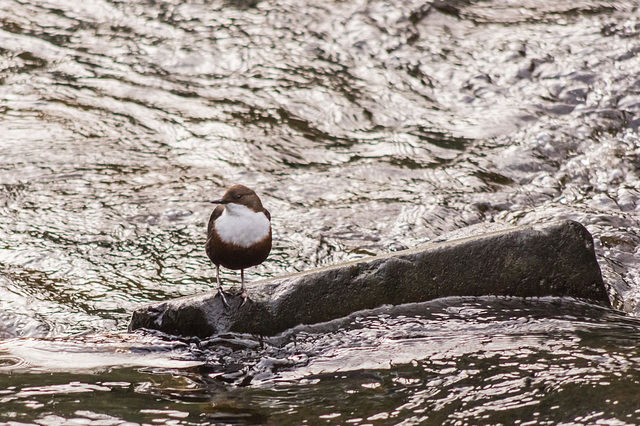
[(366, 127)]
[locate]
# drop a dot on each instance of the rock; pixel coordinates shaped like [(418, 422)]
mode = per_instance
[(555, 259)]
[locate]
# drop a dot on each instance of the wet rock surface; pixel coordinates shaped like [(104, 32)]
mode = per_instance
[(555, 259)]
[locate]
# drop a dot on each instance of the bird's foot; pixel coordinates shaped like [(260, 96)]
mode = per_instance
[(224, 299), (245, 297)]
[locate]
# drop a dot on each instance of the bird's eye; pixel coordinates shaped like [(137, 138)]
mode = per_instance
[(238, 196)]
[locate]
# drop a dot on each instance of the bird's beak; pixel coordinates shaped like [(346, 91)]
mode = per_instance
[(220, 201)]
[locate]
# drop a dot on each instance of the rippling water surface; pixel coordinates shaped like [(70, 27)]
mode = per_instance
[(366, 127)]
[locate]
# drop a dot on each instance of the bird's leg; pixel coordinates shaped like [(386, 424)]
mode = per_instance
[(243, 291), (220, 292)]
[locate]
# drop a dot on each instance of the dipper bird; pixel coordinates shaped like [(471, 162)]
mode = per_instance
[(239, 233)]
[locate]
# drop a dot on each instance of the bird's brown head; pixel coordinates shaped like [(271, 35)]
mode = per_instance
[(240, 194)]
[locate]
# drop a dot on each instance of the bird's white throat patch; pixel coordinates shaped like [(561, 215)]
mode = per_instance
[(242, 226)]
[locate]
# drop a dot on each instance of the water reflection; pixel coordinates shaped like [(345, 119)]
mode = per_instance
[(93, 353), (450, 360)]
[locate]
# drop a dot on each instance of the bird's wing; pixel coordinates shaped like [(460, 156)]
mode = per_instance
[(217, 212), (266, 213)]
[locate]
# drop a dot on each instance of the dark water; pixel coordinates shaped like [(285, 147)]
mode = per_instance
[(366, 127), (452, 361)]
